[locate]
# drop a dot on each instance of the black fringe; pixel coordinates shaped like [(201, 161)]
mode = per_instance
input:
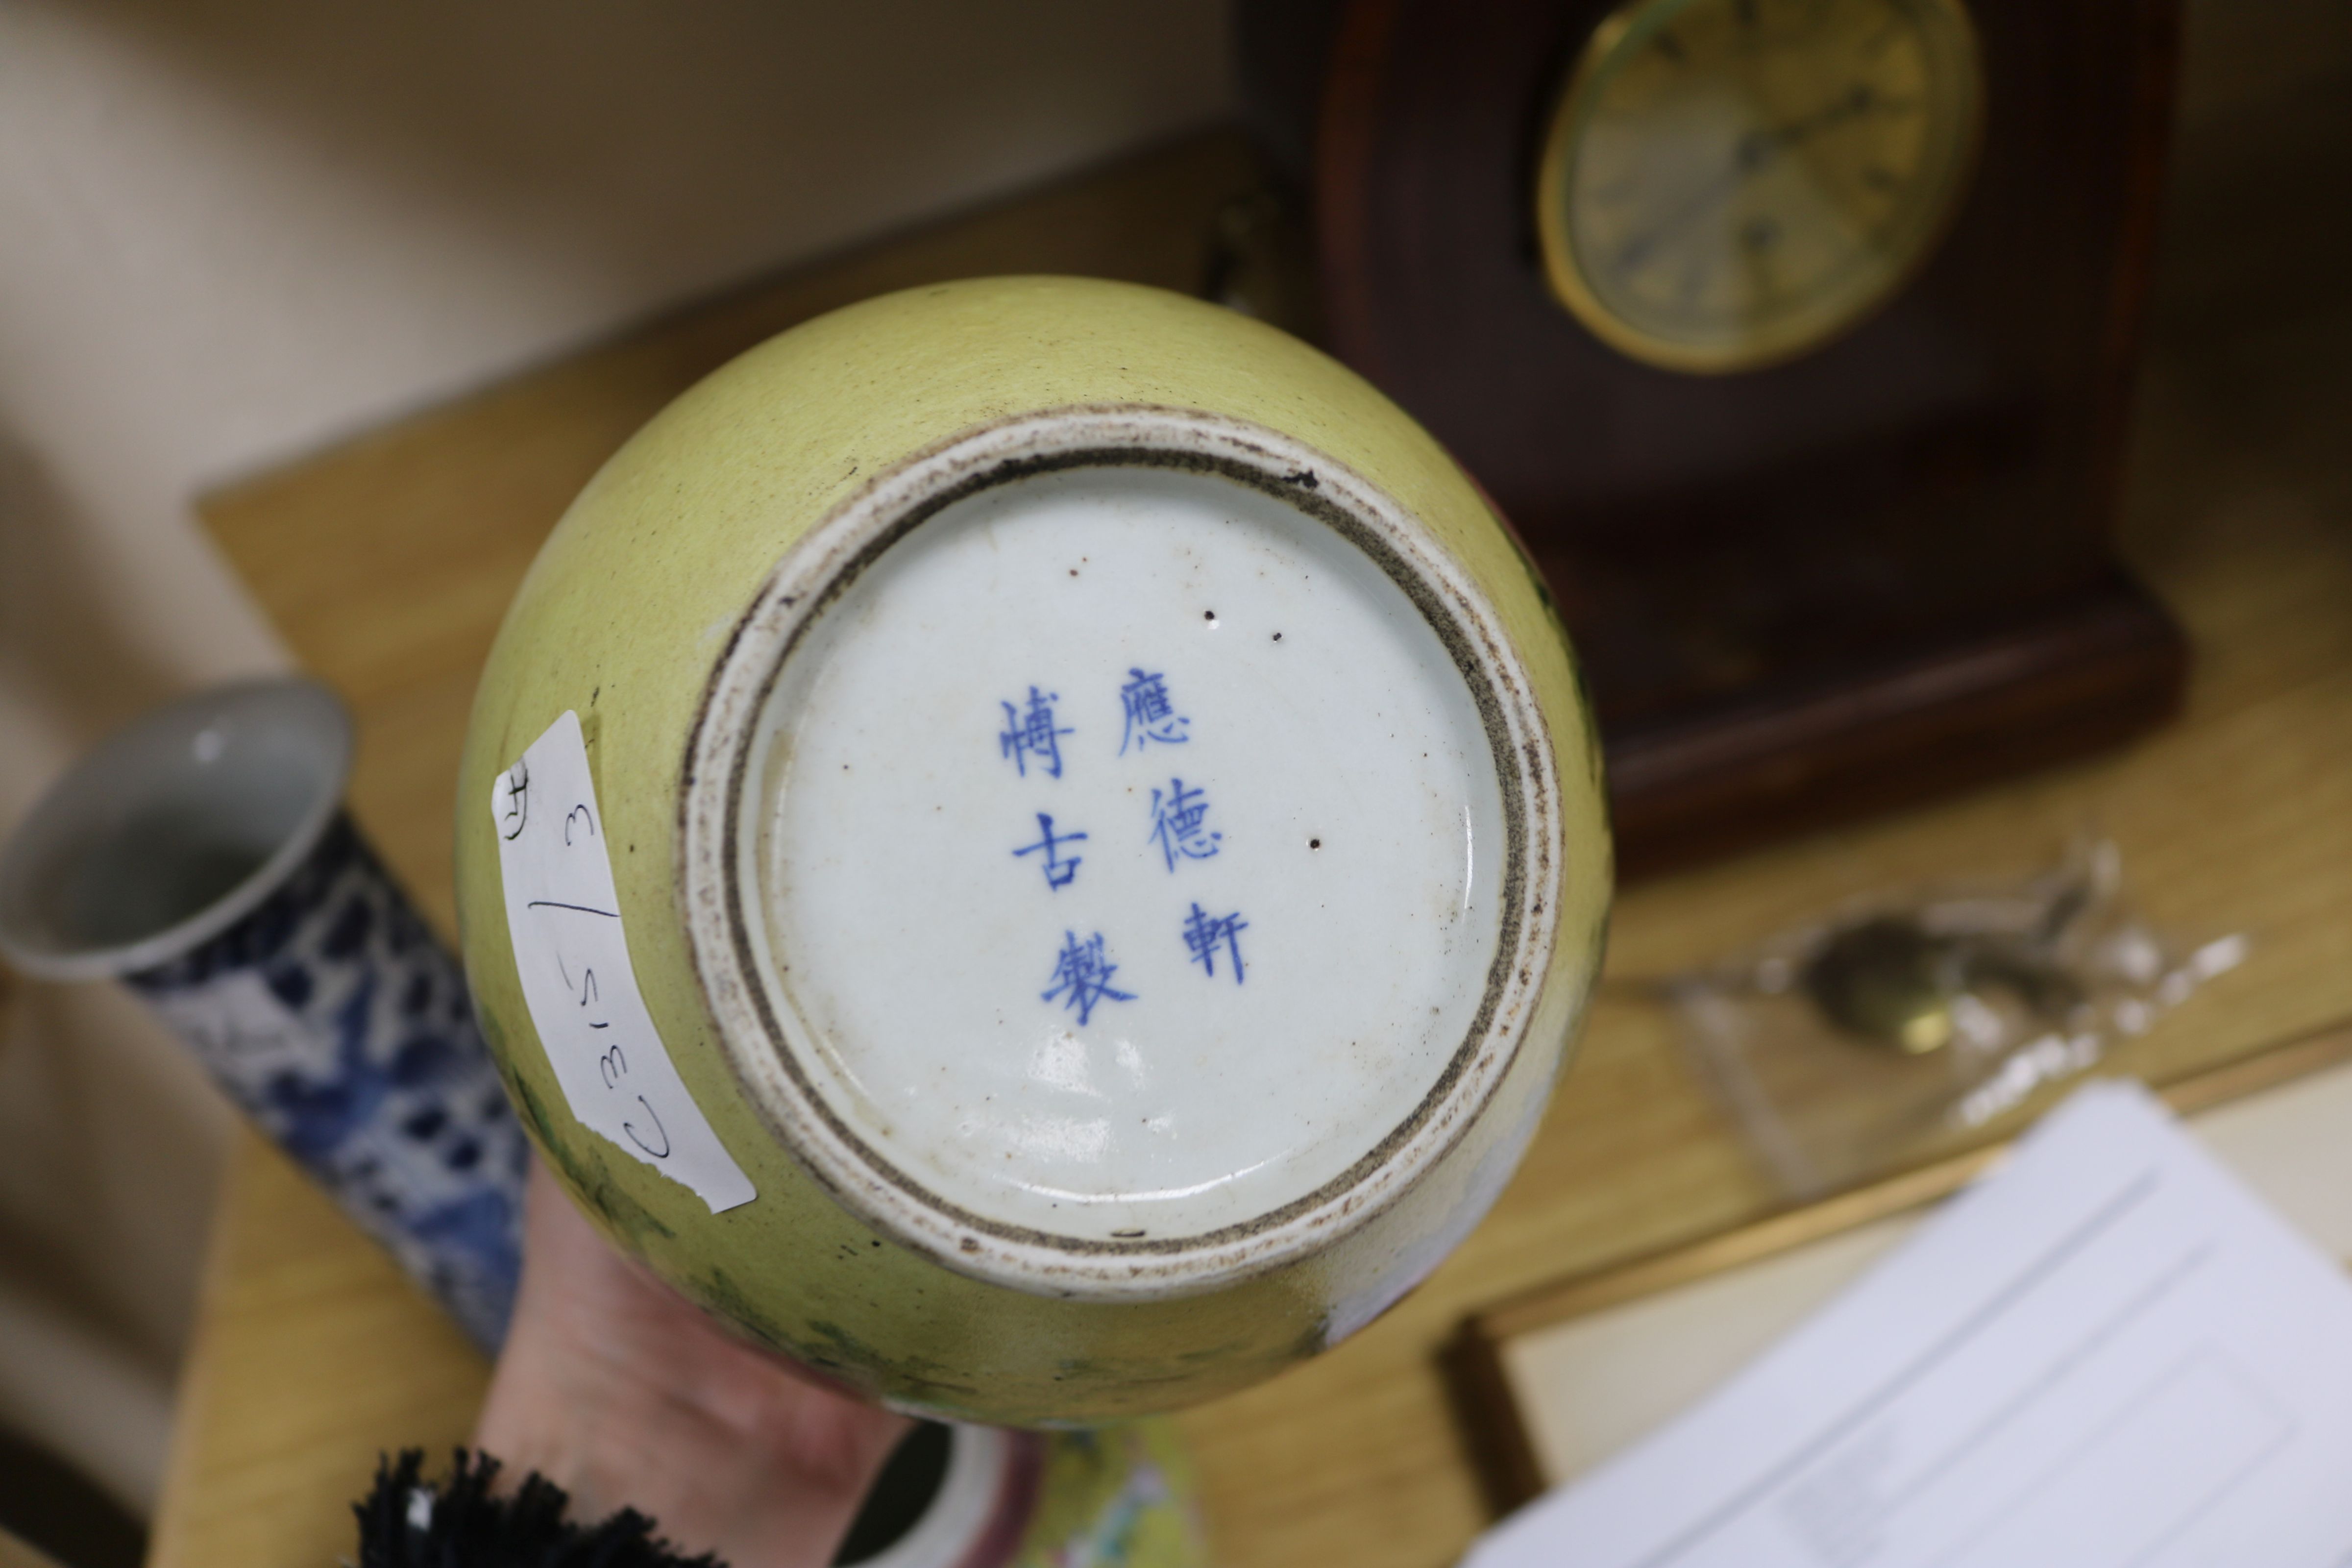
[(471, 1529)]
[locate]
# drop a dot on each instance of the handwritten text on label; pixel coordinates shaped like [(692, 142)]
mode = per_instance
[(563, 917)]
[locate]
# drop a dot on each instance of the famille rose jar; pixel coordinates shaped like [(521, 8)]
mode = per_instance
[(1033, 845)]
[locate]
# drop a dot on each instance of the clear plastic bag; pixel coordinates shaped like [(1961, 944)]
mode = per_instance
[(1855, 1043)]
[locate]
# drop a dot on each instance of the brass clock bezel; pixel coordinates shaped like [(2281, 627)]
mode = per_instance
[(1630, 28)]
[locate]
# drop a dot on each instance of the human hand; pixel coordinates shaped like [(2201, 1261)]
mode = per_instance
[(625, 1394)]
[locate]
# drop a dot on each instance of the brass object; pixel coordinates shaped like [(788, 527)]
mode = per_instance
[(1888, 981), (1891, 982)]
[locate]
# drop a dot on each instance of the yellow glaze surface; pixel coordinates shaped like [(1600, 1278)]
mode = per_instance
[(622, 619)]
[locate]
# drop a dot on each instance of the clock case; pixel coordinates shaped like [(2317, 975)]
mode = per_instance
[(1853, 579)]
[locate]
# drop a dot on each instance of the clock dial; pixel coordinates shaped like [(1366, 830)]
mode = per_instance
[(1726, 184)]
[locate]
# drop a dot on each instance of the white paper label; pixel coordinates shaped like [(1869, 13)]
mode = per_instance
[(564, 919)]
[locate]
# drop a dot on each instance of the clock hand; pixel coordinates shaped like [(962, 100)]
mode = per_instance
[(1756, 147), (1706, 199), (1749, 153)]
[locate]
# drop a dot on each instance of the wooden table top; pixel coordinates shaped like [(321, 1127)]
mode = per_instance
[(387, 562)]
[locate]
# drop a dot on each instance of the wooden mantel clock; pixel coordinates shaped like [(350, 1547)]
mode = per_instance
[(1795, 337)]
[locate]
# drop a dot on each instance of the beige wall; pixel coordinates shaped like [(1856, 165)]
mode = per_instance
[(234, 229)]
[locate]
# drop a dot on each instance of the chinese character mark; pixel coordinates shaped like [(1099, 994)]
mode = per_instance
[(1177, 816), (1151, 715), (1057, 867), (515, 811), (1203, 934), (1032, 733), (1082, 976)]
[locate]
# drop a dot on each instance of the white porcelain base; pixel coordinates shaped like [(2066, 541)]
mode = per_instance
[(1123, 855)]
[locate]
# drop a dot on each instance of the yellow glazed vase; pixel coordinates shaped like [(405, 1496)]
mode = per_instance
[(1105, 838)]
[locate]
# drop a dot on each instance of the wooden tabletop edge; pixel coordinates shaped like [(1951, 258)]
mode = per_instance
[(1473, 1359)]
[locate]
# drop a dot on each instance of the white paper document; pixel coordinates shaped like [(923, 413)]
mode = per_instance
[(571, 952), (2107, 1354)]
